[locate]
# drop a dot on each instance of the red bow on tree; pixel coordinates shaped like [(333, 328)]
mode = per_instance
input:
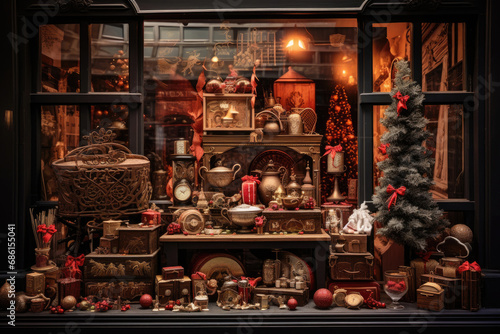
[(383, 148), (394, 194), (250, 178), (51, 230), (72, 263), (401, 101), (333, 151), (469, 266)]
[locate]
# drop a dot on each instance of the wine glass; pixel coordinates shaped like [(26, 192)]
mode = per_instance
[(395, 286)]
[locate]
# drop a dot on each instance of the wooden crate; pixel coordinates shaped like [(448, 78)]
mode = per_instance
[(355, 243), (452, 289), (117, 266), (136, 239), (307, 221), (172, 289), (351, 266)]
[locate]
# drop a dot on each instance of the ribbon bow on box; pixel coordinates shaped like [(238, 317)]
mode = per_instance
[(394, 194), (332, 150), (73, 263), (401, 101), (250, 178), (469, 266)]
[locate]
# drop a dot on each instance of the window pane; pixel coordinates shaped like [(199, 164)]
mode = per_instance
[(443, 62), (446, 143), (59, 134), (170, 33), (113, 117), (391, 42), (327, 60), (60, 58), (149, 33), (109, 58)]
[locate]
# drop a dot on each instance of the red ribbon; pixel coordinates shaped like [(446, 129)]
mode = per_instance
[(383, 148), (72, 263), (394, 194), (49, 233), (250, 178), (333, 151), (253, 82), (469, 266), (42, 229), (259, 221), (401, 101), (424, 255)]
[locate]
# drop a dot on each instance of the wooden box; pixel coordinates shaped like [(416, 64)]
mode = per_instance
[(302, 296), (172, 289), (351, 266), (118, 266), (307, 221), (136, 239), (362, 287), (471, 290), (69, 287), (127, 290), (347, 210), (452, 289), (228, 112), (35, 283), (448, 267), (295, 91), (354, 243), (109, 242), (172, 272), (430, 296)]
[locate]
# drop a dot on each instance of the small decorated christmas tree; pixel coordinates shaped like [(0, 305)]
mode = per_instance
[(406, 210), (340, 131)]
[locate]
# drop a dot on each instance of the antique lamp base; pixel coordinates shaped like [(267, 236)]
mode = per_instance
[(336, 195)]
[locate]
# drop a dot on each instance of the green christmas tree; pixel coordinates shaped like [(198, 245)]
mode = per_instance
[(406, 209)]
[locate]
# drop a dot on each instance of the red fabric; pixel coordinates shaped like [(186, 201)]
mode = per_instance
[(200, 274), (50, 232), (394, 194), (250, 178), (259, 221), (469, 266), (383, 148), (333, 151), (41, 229), (401, 101), (72, 263)]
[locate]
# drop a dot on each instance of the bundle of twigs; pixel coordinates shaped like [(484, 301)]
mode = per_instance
[(43, 224)]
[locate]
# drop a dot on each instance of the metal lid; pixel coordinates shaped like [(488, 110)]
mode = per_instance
[(245, 208)]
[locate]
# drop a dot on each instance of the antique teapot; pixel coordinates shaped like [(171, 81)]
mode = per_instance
[(220, 176), (270, 181)]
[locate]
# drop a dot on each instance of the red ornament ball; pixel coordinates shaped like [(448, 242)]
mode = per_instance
[(337, 108), (292, 303), (335, 97), (323, 298), (146, 300)]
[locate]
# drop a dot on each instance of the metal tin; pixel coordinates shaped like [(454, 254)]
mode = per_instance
[(181, 147)]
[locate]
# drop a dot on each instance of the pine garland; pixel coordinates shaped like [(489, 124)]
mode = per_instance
[(406, 210)]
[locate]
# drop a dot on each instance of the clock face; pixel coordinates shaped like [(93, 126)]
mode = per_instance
[(182, 192)]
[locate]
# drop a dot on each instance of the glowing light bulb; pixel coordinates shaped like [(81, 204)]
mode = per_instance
[(215, 59), (290, 44), (302, 45)]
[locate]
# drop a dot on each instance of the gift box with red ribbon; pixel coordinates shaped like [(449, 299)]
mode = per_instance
[(249, 189)]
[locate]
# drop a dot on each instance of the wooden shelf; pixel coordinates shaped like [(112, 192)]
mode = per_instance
[(251, 237)]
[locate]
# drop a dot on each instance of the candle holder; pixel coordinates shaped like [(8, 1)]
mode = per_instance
[(336, 167)]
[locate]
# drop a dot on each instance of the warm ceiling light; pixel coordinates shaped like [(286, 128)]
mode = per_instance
[(215, 59), (296, 41)]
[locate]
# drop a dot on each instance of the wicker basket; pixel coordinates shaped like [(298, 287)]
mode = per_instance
[(102, 180)]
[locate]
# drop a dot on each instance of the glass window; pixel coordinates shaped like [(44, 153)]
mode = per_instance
[(443, 51), (322, 59), (170, 33), (149, 33), (109, 58), (445, 142), (113, 117), (391, 42), (60, 58), (59, 134)]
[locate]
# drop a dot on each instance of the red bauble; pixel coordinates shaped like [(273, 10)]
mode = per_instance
[(292, 303), (335, 97), (146, 300), (337, 108), (323, 298)]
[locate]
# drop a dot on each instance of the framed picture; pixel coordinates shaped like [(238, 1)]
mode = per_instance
[(228, 112)]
